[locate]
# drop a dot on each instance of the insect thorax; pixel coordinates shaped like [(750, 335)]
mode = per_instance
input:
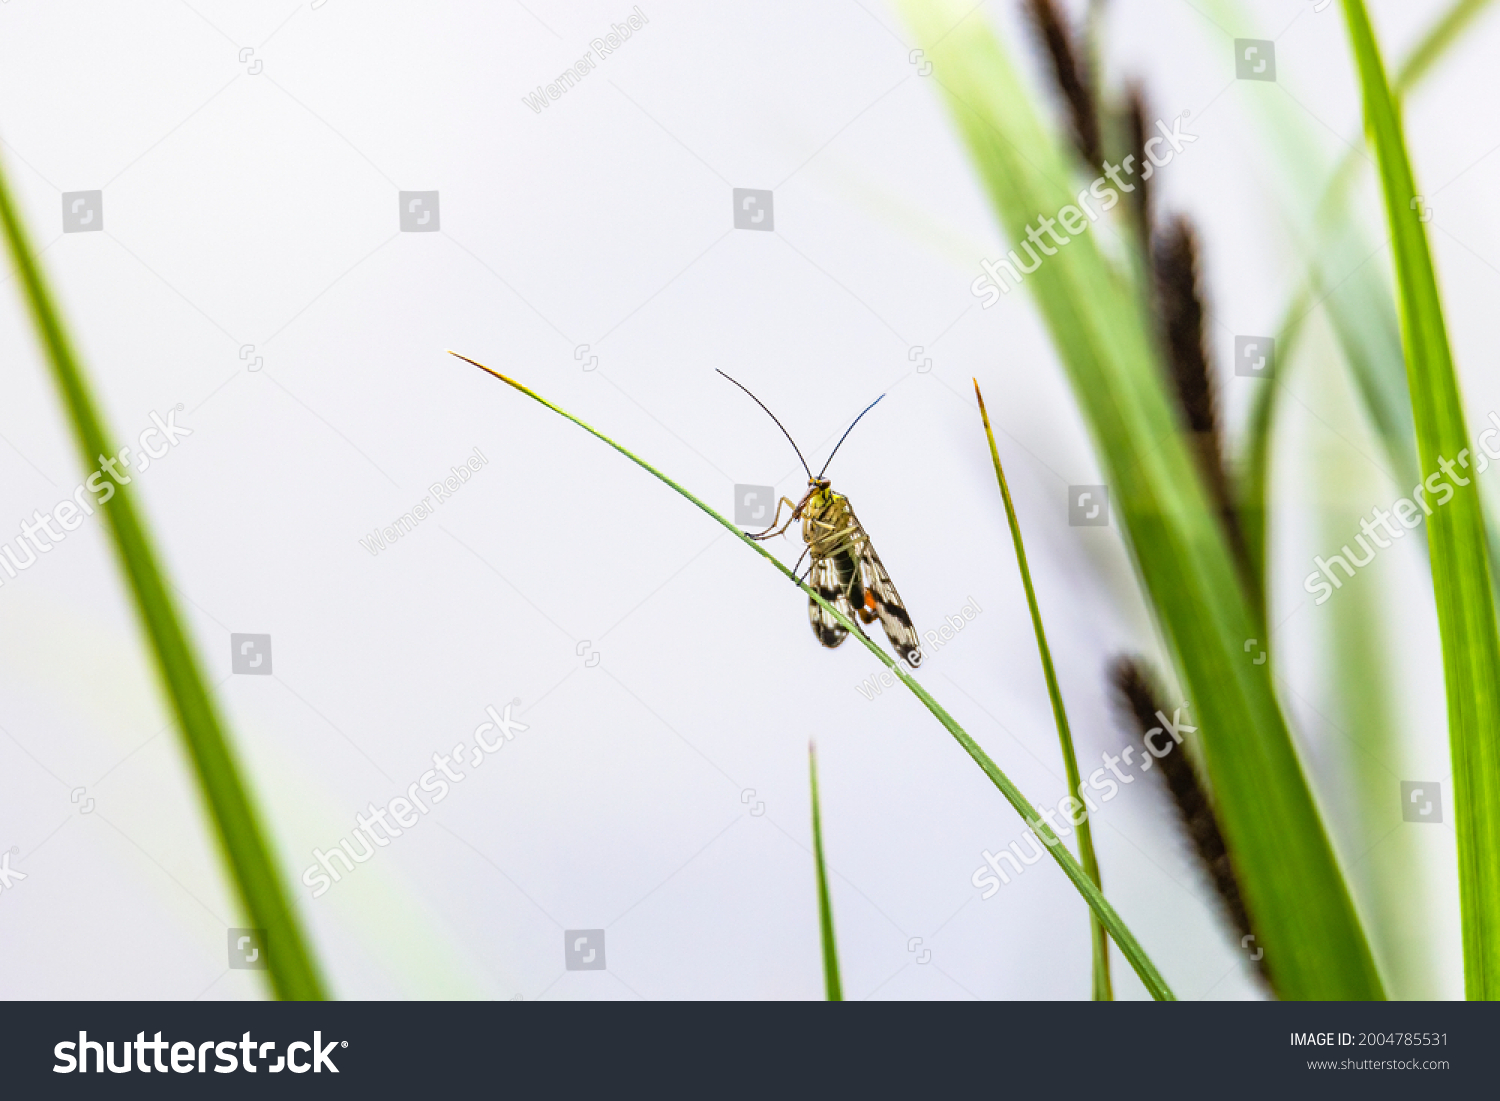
[(827, 524)]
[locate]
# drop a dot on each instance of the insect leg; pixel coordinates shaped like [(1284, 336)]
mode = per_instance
[(768, 533)]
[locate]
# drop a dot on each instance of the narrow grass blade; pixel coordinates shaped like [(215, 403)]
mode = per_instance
[(1103, 991), (831, 984), (290, 967), (1065, 860), (1455, 532), (1443, 35), (1357, 300), (1294, 889), (1254, 489), (1355, 296)]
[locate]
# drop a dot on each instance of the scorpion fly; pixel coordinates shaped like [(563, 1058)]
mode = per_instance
[(844, 568)]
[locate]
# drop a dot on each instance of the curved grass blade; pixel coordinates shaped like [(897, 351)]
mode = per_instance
[(1103, 991), (1071, 868), (1443, 35), (1455, 532), (242, 841), (1357, 299), (1254, 491), (1293, 886), (833, 988), (1359, 306), (1360, 309)]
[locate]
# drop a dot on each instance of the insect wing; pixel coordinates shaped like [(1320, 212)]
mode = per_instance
[(881, 598), (825, 580)]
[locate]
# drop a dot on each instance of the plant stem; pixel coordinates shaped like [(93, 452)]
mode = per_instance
[(1103, 991), (834, 988), (290, 965), (1456, 536), (1071, 868)]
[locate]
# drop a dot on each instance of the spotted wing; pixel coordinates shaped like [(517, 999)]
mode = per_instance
[(831, 579), (881, 600)]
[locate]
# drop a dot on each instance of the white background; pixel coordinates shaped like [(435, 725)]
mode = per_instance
[(261, 209)]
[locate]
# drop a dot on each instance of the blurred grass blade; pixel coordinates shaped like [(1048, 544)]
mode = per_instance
[(1455, 531), (834, 988), (1357, 299), (1123, 937), (1102, 987), (1295, 891), (1254, 489), (242, 841), (1447, 31), (1354, 294)]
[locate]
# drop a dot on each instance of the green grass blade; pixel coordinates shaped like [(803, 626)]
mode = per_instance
[(1436, 42), (290, 967), (1103, 991), (1254, 491), (1455, 532), (831, 984), (1359, 305), (1123, 937), (1357, 300), (1295, 892)]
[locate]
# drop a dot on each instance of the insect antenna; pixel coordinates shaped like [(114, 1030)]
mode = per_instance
[(779, 425), (845, 436)]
